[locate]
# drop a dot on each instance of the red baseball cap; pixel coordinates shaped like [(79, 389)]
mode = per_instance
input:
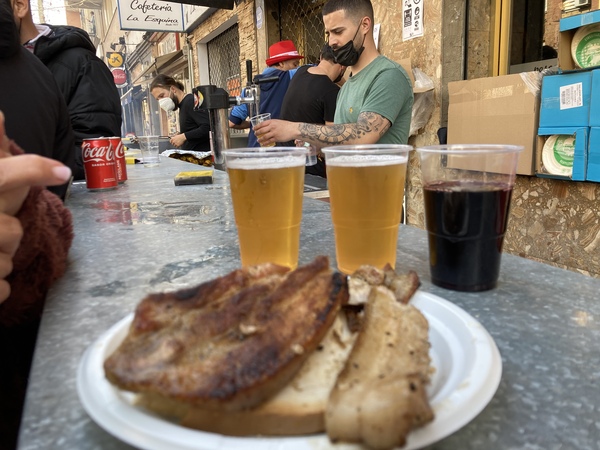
[(282, 51)]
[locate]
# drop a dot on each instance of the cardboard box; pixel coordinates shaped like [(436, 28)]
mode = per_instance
[(566, 100), (595, 99), (580, 156), (568, 27), (593, 162), (497, 110)]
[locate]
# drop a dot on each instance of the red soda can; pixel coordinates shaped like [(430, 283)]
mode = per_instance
[(120, 162), (99, 164)]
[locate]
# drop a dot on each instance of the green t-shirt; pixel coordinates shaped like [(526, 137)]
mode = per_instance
[(383, 87)]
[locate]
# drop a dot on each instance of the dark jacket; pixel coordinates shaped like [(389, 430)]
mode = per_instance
[(35, 112), (271, 98), (86, 83), (195, 124)]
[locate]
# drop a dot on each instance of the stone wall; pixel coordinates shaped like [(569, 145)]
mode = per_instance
[(552, 221), (244, 13)]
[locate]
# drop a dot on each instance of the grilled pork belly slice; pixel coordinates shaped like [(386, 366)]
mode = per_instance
[(296, 409), (380, 396), (230, 343), (403, 285)]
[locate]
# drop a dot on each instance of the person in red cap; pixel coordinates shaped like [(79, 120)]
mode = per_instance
[(282, 62), (374, 105)]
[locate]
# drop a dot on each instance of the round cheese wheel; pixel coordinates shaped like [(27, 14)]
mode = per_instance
[(558, 153), (585, 46)]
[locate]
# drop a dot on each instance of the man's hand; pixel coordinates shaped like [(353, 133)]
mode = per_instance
[(275, 130), (367, 130), (178, 140)]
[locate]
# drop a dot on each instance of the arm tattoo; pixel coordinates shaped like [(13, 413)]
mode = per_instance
[(348, 133)]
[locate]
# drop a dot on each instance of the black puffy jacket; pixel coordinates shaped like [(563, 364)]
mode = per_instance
[(35, 112), (86, 83)]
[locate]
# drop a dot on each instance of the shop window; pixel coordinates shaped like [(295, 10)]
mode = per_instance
[(301, 22), (223, 59), (524, 35)]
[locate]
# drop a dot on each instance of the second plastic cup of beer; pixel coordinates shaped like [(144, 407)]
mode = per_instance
[(467, 191), (366, 189), (255, 120), (267, 188)]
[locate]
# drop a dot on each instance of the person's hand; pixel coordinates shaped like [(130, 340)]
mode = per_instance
[(17, 175), (274, 130), (178, 140), (11, 233)]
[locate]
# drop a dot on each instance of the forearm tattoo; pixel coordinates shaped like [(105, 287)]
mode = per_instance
[(348, 133)]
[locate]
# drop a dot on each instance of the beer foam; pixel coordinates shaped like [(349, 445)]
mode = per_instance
[(366, 160), (266, 163)]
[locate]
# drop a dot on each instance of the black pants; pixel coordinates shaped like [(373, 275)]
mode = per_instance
[(16, 351)]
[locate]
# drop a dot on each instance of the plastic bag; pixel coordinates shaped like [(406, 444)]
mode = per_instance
[(424, 101)]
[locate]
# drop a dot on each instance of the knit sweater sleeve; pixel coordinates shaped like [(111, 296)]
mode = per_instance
[(41, 257)]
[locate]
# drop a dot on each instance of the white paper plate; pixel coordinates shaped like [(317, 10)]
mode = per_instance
[(466, 359), (558, 153), (585, 46)]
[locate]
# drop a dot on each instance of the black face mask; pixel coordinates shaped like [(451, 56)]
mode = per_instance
[(347, 55)]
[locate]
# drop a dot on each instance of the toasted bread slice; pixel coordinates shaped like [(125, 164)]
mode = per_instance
[(231, 343), (295, 410), (380, 394)]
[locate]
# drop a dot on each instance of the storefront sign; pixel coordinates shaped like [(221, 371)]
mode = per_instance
[(120, 77), (115, 59), (412, 11), (192, 13), (151, 15)]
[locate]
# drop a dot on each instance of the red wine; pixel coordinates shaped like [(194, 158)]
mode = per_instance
[(466, 223)]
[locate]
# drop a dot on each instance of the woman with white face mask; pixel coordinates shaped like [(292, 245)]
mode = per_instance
[(194, 133)]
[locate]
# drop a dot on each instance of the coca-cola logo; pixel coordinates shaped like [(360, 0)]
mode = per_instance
[(119, 150), (93, 153)]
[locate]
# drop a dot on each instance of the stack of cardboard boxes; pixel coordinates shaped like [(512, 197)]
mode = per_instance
[(570, 102), (510, 110)]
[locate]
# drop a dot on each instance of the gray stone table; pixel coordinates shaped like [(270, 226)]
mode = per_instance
[(149, 235)]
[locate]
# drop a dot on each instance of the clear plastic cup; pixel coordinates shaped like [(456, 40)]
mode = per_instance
[(260, 119), (467, 191), (366, 190), (267, 189), (150, 150)]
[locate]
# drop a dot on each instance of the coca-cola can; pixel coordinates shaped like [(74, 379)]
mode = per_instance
[(99, 164), (120, 162)]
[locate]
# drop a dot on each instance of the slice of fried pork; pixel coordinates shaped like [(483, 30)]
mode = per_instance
[(380, 395), (230, 343)]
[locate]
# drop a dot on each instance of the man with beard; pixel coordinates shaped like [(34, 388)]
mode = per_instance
[(194, 125), (374, 105), (86, 83)]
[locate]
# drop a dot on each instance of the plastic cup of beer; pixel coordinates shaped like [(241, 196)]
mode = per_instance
[(150, 150), (366, 190), (467, 191), (255, 120), (267, 188)]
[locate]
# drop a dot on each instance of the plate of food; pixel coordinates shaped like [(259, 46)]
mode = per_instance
[(463, 374)]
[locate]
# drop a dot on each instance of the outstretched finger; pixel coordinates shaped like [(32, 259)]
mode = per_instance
[(31, 170)]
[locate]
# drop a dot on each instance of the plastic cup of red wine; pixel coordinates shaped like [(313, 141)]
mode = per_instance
[(467, 191)]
